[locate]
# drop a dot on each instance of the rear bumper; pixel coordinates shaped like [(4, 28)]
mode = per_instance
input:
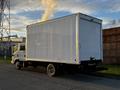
[(91, 62)]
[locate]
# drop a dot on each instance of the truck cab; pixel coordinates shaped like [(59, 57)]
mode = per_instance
[(18, 53)]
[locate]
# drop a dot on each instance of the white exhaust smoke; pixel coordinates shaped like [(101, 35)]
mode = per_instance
[(49, 6)]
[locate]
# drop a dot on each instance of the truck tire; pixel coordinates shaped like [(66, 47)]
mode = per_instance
[(25, 64), (51, 70), (18, 65)]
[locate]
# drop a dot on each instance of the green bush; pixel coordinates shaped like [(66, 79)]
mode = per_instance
[(112, 69), (3, 60)]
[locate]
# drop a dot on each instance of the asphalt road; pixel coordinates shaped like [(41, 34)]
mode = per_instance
[(34, 79)]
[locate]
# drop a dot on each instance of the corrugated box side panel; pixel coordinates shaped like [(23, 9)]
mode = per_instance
[(118, 38), (110, 60), (53, 40), (118, 30), (109, 32), (107, 60), (110, 39), (118, 45), (110, 46), (106, 46), (111, 43)]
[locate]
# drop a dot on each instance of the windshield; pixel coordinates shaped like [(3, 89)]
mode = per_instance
[(14, 48)]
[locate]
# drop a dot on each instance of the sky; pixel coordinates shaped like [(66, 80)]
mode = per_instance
[(25, 12)]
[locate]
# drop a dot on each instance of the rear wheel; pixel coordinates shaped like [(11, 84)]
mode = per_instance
[(18, 65), (51, 70)]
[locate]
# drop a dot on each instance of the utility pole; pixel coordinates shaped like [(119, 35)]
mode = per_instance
[(5, 24)]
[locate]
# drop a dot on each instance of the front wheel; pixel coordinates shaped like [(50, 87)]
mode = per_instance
[(51, 70), (18, 65)]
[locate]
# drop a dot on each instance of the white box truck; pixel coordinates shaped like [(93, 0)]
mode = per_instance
[(74, 40)]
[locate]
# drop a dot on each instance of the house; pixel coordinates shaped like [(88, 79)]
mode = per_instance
[(6, 46)]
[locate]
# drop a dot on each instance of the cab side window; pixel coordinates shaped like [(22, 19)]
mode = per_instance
[(22, 48)]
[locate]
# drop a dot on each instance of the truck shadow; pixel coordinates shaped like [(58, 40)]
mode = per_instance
[(92, 78)]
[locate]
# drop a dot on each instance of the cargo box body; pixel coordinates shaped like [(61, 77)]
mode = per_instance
[(70, 39)]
